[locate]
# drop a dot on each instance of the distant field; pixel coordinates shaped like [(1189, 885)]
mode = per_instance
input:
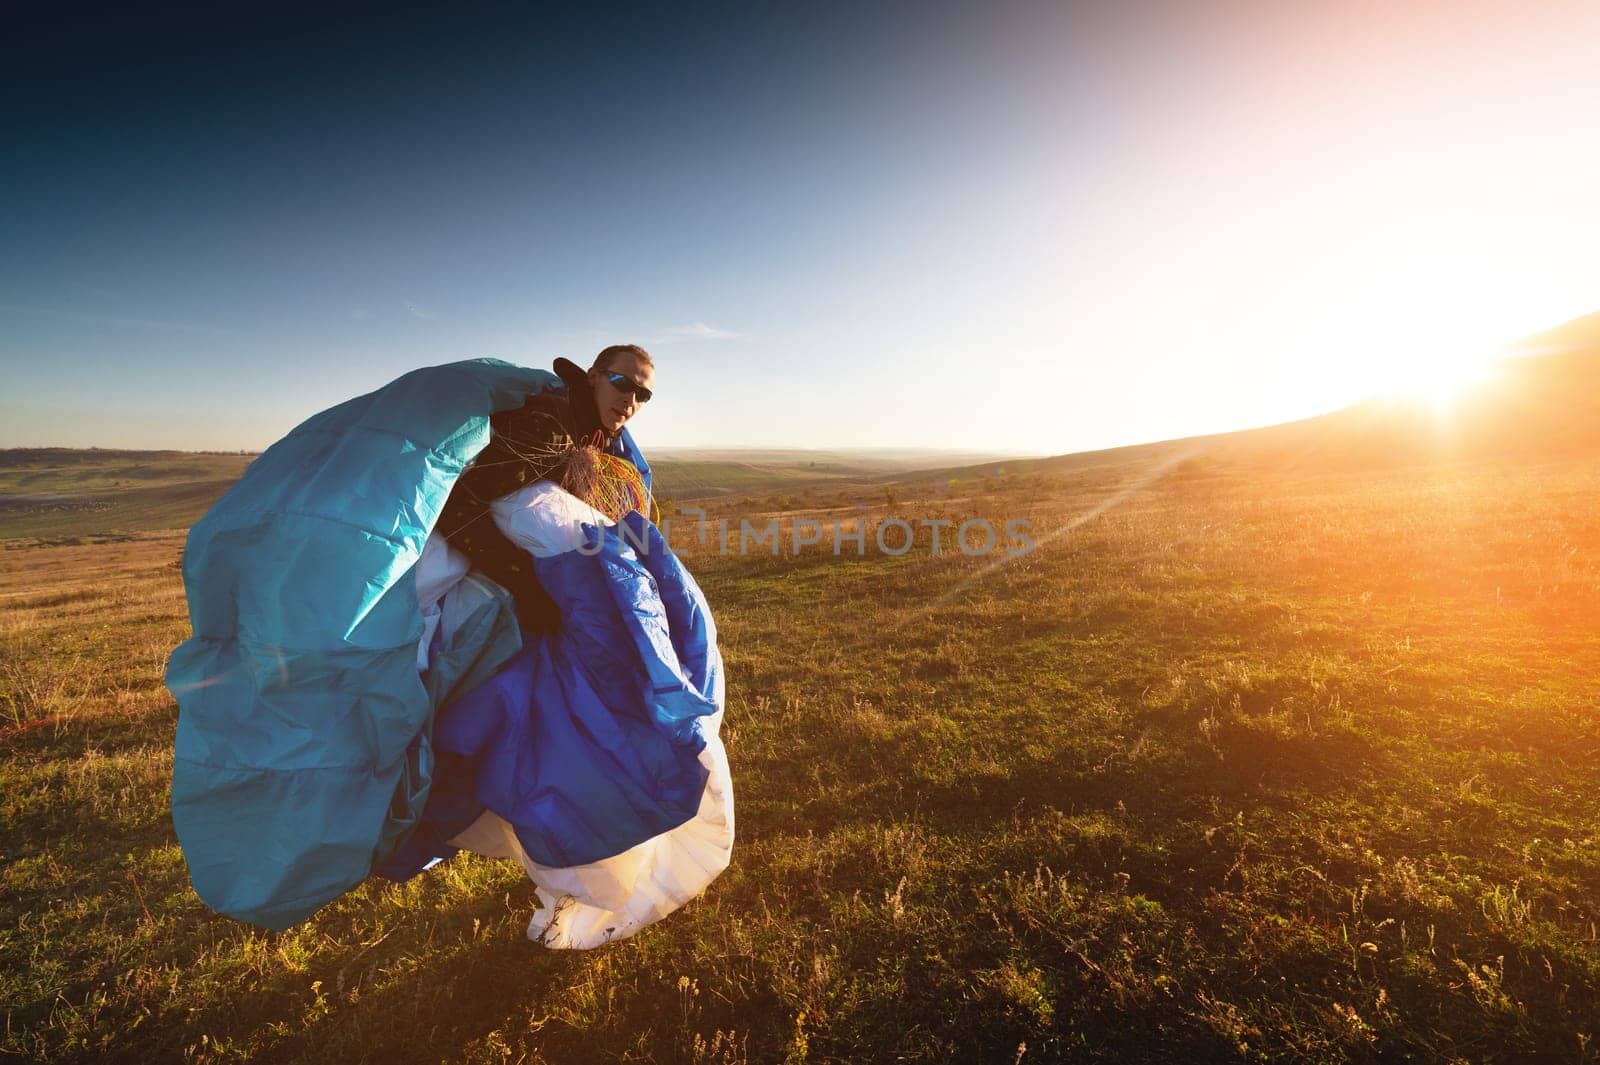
[(679, 478), (684, 473), (1237, 765), (55, 495)]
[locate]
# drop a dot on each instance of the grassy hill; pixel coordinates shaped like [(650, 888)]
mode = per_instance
[(1295, 769), (64, 493), (1271, 756), (700, 473), (1542, 404), (60, 494)]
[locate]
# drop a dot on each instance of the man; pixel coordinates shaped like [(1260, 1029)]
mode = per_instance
[(592, 756), (547, 438), (622, 378)]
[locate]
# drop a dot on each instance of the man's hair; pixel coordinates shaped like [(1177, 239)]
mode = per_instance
[(604, 360)]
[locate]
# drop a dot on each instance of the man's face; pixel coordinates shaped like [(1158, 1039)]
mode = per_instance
[(619, 402)]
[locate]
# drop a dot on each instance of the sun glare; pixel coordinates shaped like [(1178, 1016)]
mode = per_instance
[(1441, 380), (1430, 330)]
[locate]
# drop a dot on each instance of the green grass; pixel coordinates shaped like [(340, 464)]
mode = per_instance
[(59, 494), (1292, 768)]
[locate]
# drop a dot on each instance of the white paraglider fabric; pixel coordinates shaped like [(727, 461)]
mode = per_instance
[(439, 571), (545, 519), (586, 906)]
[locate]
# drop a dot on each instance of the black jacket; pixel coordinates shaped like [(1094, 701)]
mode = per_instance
[(534, 442)]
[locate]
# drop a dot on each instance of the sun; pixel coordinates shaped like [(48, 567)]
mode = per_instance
[(1439, 378), (1429, 330)]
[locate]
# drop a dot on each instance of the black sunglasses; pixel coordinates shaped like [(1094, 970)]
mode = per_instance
[(625, 383)]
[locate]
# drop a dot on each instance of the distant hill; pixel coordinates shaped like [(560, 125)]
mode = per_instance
[(62, 493), (57, 493), (62, 469), (691, 473), (1574, 337), (1542, 403)]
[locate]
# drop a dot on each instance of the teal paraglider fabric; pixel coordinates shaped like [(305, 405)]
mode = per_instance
[(303, 754)]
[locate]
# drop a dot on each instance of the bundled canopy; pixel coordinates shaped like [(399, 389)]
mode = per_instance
[(311, 728), (592, 758)]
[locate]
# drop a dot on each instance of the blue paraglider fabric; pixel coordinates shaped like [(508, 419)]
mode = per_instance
[(588, 741), (304, 752)]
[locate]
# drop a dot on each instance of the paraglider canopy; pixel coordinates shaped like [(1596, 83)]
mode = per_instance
[(301, 755)]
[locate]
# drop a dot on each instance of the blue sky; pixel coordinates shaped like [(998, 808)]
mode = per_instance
[(1022, 228)]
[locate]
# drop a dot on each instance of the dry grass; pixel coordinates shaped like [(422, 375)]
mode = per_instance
[(1245, 767)]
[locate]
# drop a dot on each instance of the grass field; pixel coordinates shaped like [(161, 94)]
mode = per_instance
[(61, 496), (1245, 766)]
